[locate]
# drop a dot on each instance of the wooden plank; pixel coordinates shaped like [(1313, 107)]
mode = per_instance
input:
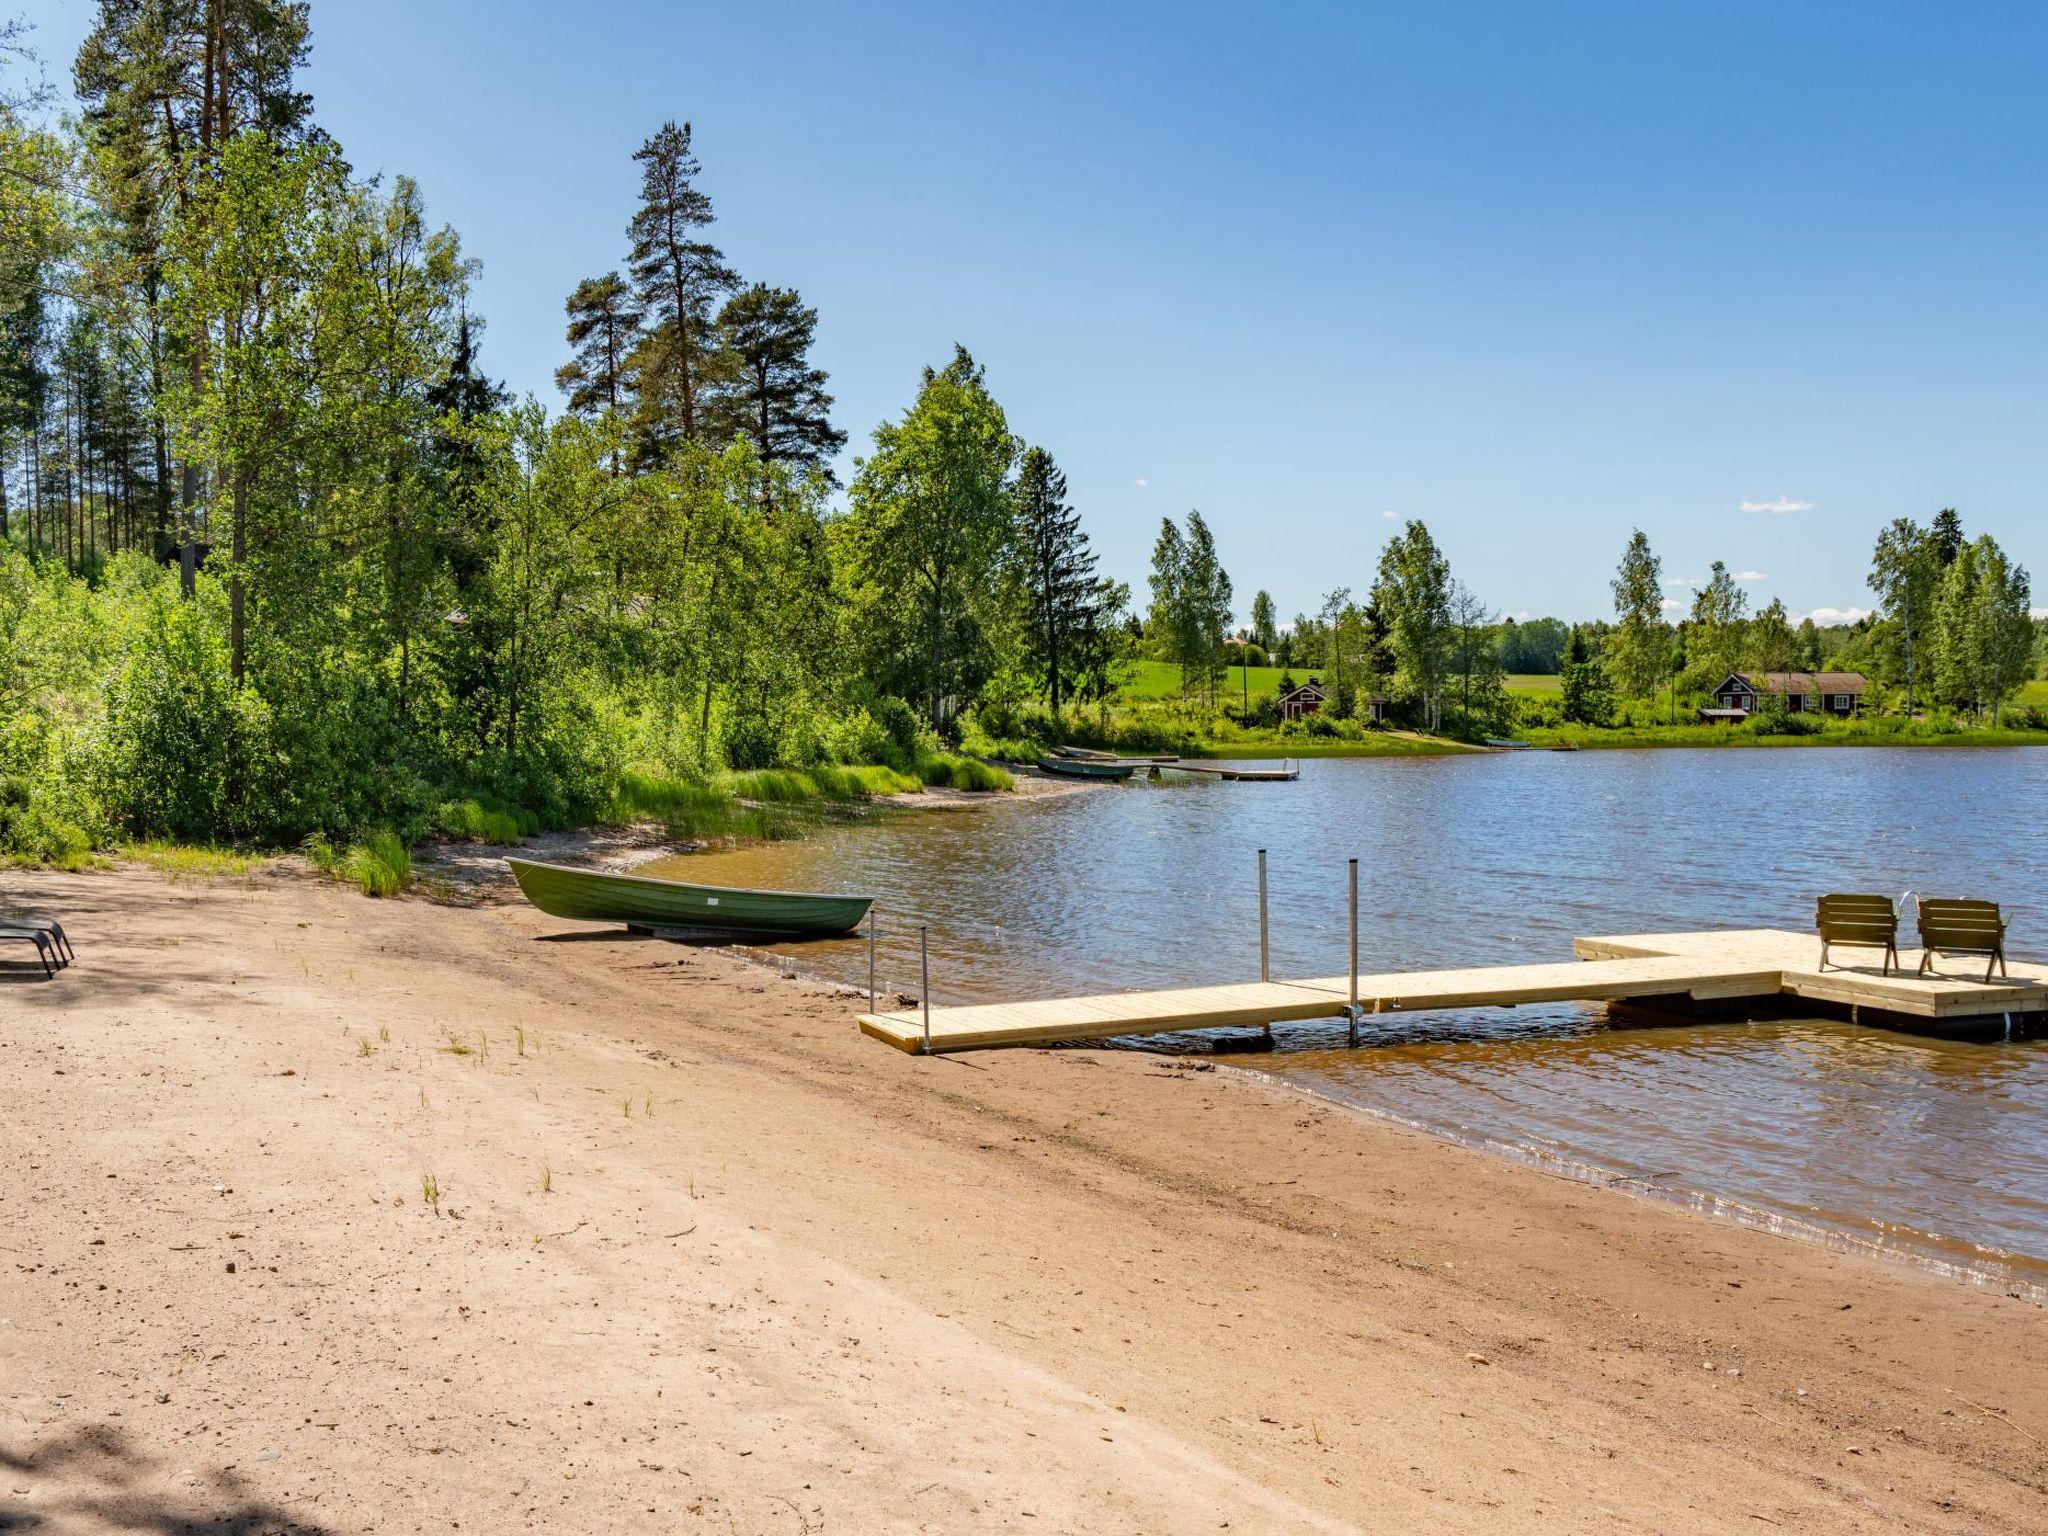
[(1722, 964)]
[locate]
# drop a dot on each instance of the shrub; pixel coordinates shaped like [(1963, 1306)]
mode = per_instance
[(181, 751)]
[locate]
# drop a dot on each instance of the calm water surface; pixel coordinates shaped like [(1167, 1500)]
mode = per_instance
[(1860, 1135)]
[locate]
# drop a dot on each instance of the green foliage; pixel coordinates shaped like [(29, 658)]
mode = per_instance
[(180, 751), (476, 821), (1587, 698)]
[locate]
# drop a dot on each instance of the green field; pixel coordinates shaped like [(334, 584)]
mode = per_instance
[(1161, 680)]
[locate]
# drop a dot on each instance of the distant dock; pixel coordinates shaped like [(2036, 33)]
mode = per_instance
[(1761, 962)]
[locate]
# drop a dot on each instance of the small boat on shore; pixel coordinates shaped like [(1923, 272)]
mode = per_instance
[(1088, 768), (1097, 755), (596, 896)]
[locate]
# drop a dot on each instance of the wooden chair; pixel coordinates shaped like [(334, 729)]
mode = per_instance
[(1864, 921), (1962, 928)]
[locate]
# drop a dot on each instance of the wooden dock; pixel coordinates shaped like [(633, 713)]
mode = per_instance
[(1725, 964), (1288, 771)]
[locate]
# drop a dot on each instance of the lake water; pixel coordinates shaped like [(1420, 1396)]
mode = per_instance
[(1857, 1135)]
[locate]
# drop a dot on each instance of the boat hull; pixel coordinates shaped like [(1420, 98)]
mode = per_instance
[(590, 895), (1086, 768)]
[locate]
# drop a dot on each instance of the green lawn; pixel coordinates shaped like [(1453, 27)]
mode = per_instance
[(2034, 693), (1161, 680)]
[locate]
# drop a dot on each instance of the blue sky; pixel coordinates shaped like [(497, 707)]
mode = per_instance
[(1536, 275)]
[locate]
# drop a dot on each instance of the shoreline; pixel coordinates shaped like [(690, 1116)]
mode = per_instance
[(702, 1250)]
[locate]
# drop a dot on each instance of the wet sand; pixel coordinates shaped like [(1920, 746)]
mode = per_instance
[(705, 1258)]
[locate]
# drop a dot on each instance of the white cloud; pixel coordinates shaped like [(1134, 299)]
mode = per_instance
[(1751, 576), (1684, 581), (1520, 615), (2037, 614), (1671, 605), (1778, 508), (1143, 482), (1827, 618), (1390, 516)]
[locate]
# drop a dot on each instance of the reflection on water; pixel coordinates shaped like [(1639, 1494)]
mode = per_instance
[(1501, 858)]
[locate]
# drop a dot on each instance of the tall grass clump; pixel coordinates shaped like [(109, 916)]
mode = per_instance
[(949, 769), (380, 865), (855, 783), (778, 786), (645, 795)]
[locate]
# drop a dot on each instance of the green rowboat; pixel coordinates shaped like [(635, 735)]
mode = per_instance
[(1087, 768), (591, 895)]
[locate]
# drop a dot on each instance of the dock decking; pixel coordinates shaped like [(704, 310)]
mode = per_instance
[(1736, 963)]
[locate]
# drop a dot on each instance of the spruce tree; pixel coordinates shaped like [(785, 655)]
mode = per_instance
[(1946, 535), (1061, 588), (770, 393), (677, 277)]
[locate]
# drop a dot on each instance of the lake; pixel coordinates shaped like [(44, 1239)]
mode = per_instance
[(1935, 1148)]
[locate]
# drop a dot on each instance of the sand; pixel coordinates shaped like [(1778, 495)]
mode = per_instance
[(704, 1258)]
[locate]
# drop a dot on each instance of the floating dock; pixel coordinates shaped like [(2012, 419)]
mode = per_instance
[(1289, 770), (1764, 962)]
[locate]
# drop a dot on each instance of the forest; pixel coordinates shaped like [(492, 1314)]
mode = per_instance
[(281, 563)]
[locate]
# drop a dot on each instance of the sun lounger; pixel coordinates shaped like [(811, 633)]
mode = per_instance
[(50, 926), (1864, 921), (1962, 928), (46, 946)]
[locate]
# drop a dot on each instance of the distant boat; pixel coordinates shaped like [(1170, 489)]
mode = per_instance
[(591, 895), (1564, 746), (1088, 768)]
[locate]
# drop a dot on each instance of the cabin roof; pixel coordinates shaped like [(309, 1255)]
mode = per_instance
[(1799, 682)]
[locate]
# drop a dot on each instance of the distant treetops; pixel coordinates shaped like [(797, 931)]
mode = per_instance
[(680, 350)]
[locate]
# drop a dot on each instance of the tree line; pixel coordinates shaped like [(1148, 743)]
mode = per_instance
[(277, 555), (1954, 627)]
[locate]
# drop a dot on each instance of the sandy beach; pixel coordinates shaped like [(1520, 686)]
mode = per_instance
[(322, 1214)]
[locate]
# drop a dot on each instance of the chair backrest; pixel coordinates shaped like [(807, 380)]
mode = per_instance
[(1856, 919), (1961, 925)]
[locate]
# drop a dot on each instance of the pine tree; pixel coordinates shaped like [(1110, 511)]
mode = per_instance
[(677, 277), (165, 86), (770, 394), (604, 328)]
